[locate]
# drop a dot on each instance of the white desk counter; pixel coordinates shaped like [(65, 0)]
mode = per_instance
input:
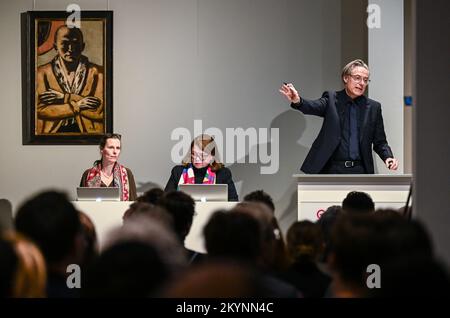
[(107, 215)]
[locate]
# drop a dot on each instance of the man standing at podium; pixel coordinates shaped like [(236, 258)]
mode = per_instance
[(352, 125)]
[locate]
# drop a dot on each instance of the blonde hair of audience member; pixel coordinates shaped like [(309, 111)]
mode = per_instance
[(31, 274)]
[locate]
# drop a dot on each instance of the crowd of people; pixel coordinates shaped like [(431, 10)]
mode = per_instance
[(248, 255)]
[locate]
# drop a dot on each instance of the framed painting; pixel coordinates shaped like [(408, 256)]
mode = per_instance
[(66, 77)]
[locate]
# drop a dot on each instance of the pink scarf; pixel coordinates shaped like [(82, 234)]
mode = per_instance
[(188, 177), (120, 179)]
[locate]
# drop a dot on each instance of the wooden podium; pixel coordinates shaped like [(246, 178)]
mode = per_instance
[(317, 192), (107, 215)]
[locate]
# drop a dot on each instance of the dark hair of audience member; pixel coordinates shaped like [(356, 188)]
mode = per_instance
[(126, 269), (361, 240), (326, 222), (138, 209), (304, 242), (90, 238), (387, 213), (8, 264), (405, 237), (217, 279), (413, 277), (149, 230), (305, 245), (358, 202), (51, 221), (260, 196), (354, 245), (233, 235), (151, 196), (182, 208), (274, 255)]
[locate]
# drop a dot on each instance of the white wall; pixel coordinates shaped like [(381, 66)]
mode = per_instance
[(387, 76), (180, 60)]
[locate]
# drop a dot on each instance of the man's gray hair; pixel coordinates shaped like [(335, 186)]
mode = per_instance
[(149, 230), (347, 70)]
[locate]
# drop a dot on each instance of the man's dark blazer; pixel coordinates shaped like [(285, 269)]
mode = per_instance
[(371, 131), (223, 176)]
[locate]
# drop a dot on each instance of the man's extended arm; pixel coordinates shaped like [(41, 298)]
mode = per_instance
[(310, 107)]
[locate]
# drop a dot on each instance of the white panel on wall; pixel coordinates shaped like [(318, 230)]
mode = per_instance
[(386, 66)]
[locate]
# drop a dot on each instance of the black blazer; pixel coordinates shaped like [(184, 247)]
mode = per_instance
[(223, 176), (371, 131)]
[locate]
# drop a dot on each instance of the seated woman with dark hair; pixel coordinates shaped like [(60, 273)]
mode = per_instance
[(108, 172), (202, 166)]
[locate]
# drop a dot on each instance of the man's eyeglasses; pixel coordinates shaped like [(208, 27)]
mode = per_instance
[(358, 79)]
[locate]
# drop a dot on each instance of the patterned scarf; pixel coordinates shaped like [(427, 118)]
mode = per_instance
[(120, 179), (60, 72), (188, 177)]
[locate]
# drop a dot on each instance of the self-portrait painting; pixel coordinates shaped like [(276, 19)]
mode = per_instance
[(67, 77)]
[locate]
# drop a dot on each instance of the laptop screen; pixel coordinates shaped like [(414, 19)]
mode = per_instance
[(206, 192), (98, 194)]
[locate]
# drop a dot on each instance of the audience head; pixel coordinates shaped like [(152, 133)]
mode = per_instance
[(328, 219), (407, 238), (182, 208), (233, 235), (138, 209), (152, 231), (361, 240), (90, 239), (8, 264), (127, 269), (214, 279), (151, 196), (412, 277), (326, 222), (262, 197), (304, 242), (6, 215), (388, 214), (357, 203), (53, 223), (273, 253)]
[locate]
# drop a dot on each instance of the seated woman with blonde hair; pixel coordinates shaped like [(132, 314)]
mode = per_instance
[(108, 172), (202, 166)]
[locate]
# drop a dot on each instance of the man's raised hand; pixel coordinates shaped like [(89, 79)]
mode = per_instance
[(289, 91)]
